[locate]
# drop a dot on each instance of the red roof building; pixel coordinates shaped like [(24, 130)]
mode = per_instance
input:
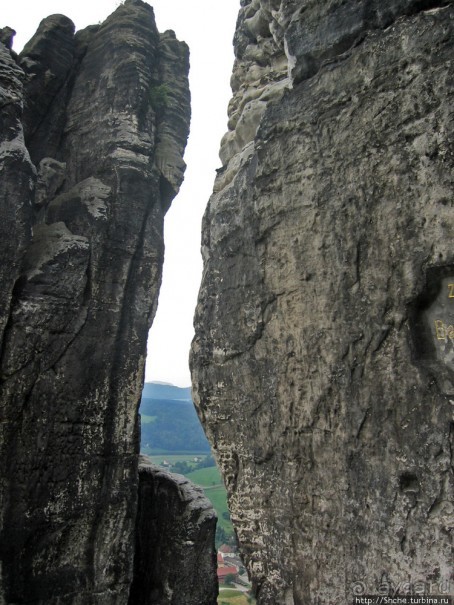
[(223, 572)]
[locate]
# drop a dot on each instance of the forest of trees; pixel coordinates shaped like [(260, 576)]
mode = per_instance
[(171, 425)]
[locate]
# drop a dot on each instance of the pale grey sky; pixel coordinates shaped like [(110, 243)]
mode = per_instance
[(208, 27)]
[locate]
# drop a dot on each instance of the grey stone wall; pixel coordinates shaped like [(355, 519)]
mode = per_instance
[(322, 361), (89, 165)]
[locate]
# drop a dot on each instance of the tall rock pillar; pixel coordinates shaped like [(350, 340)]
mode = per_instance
[(93, 130)]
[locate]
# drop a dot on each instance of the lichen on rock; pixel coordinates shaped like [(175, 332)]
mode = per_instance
[(175, 560), (82, 248), (327, 242)]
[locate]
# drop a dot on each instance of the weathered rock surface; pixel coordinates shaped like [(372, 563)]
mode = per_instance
[(83, 197), (176, 561), (323, 357)]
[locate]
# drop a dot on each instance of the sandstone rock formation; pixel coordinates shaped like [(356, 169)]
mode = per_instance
[(89, 165), (176, 524), (323, 357)]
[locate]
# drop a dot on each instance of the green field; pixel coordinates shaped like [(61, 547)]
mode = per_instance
[(218, 498), (158, 458), (210, 480), (230, 596), (206, 477)]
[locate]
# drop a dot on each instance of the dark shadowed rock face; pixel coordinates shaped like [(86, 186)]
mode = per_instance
[(323, 357), (88, 167), (176, 560)]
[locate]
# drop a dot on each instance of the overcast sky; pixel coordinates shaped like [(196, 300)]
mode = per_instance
[(208, 27)]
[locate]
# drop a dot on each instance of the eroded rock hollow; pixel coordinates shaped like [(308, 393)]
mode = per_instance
[(93, 128), (323, 357)]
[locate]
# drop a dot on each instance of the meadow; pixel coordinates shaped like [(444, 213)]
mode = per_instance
[(230, 596), (160, 456), (211, 481), (206, 477)]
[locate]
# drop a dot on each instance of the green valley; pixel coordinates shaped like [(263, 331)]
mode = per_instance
[(171, 435)]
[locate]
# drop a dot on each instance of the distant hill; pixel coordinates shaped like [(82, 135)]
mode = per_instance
[(160, 390), (169, 420)]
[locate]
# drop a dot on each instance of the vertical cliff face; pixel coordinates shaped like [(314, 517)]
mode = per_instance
[(323, 357), (93, 129)]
